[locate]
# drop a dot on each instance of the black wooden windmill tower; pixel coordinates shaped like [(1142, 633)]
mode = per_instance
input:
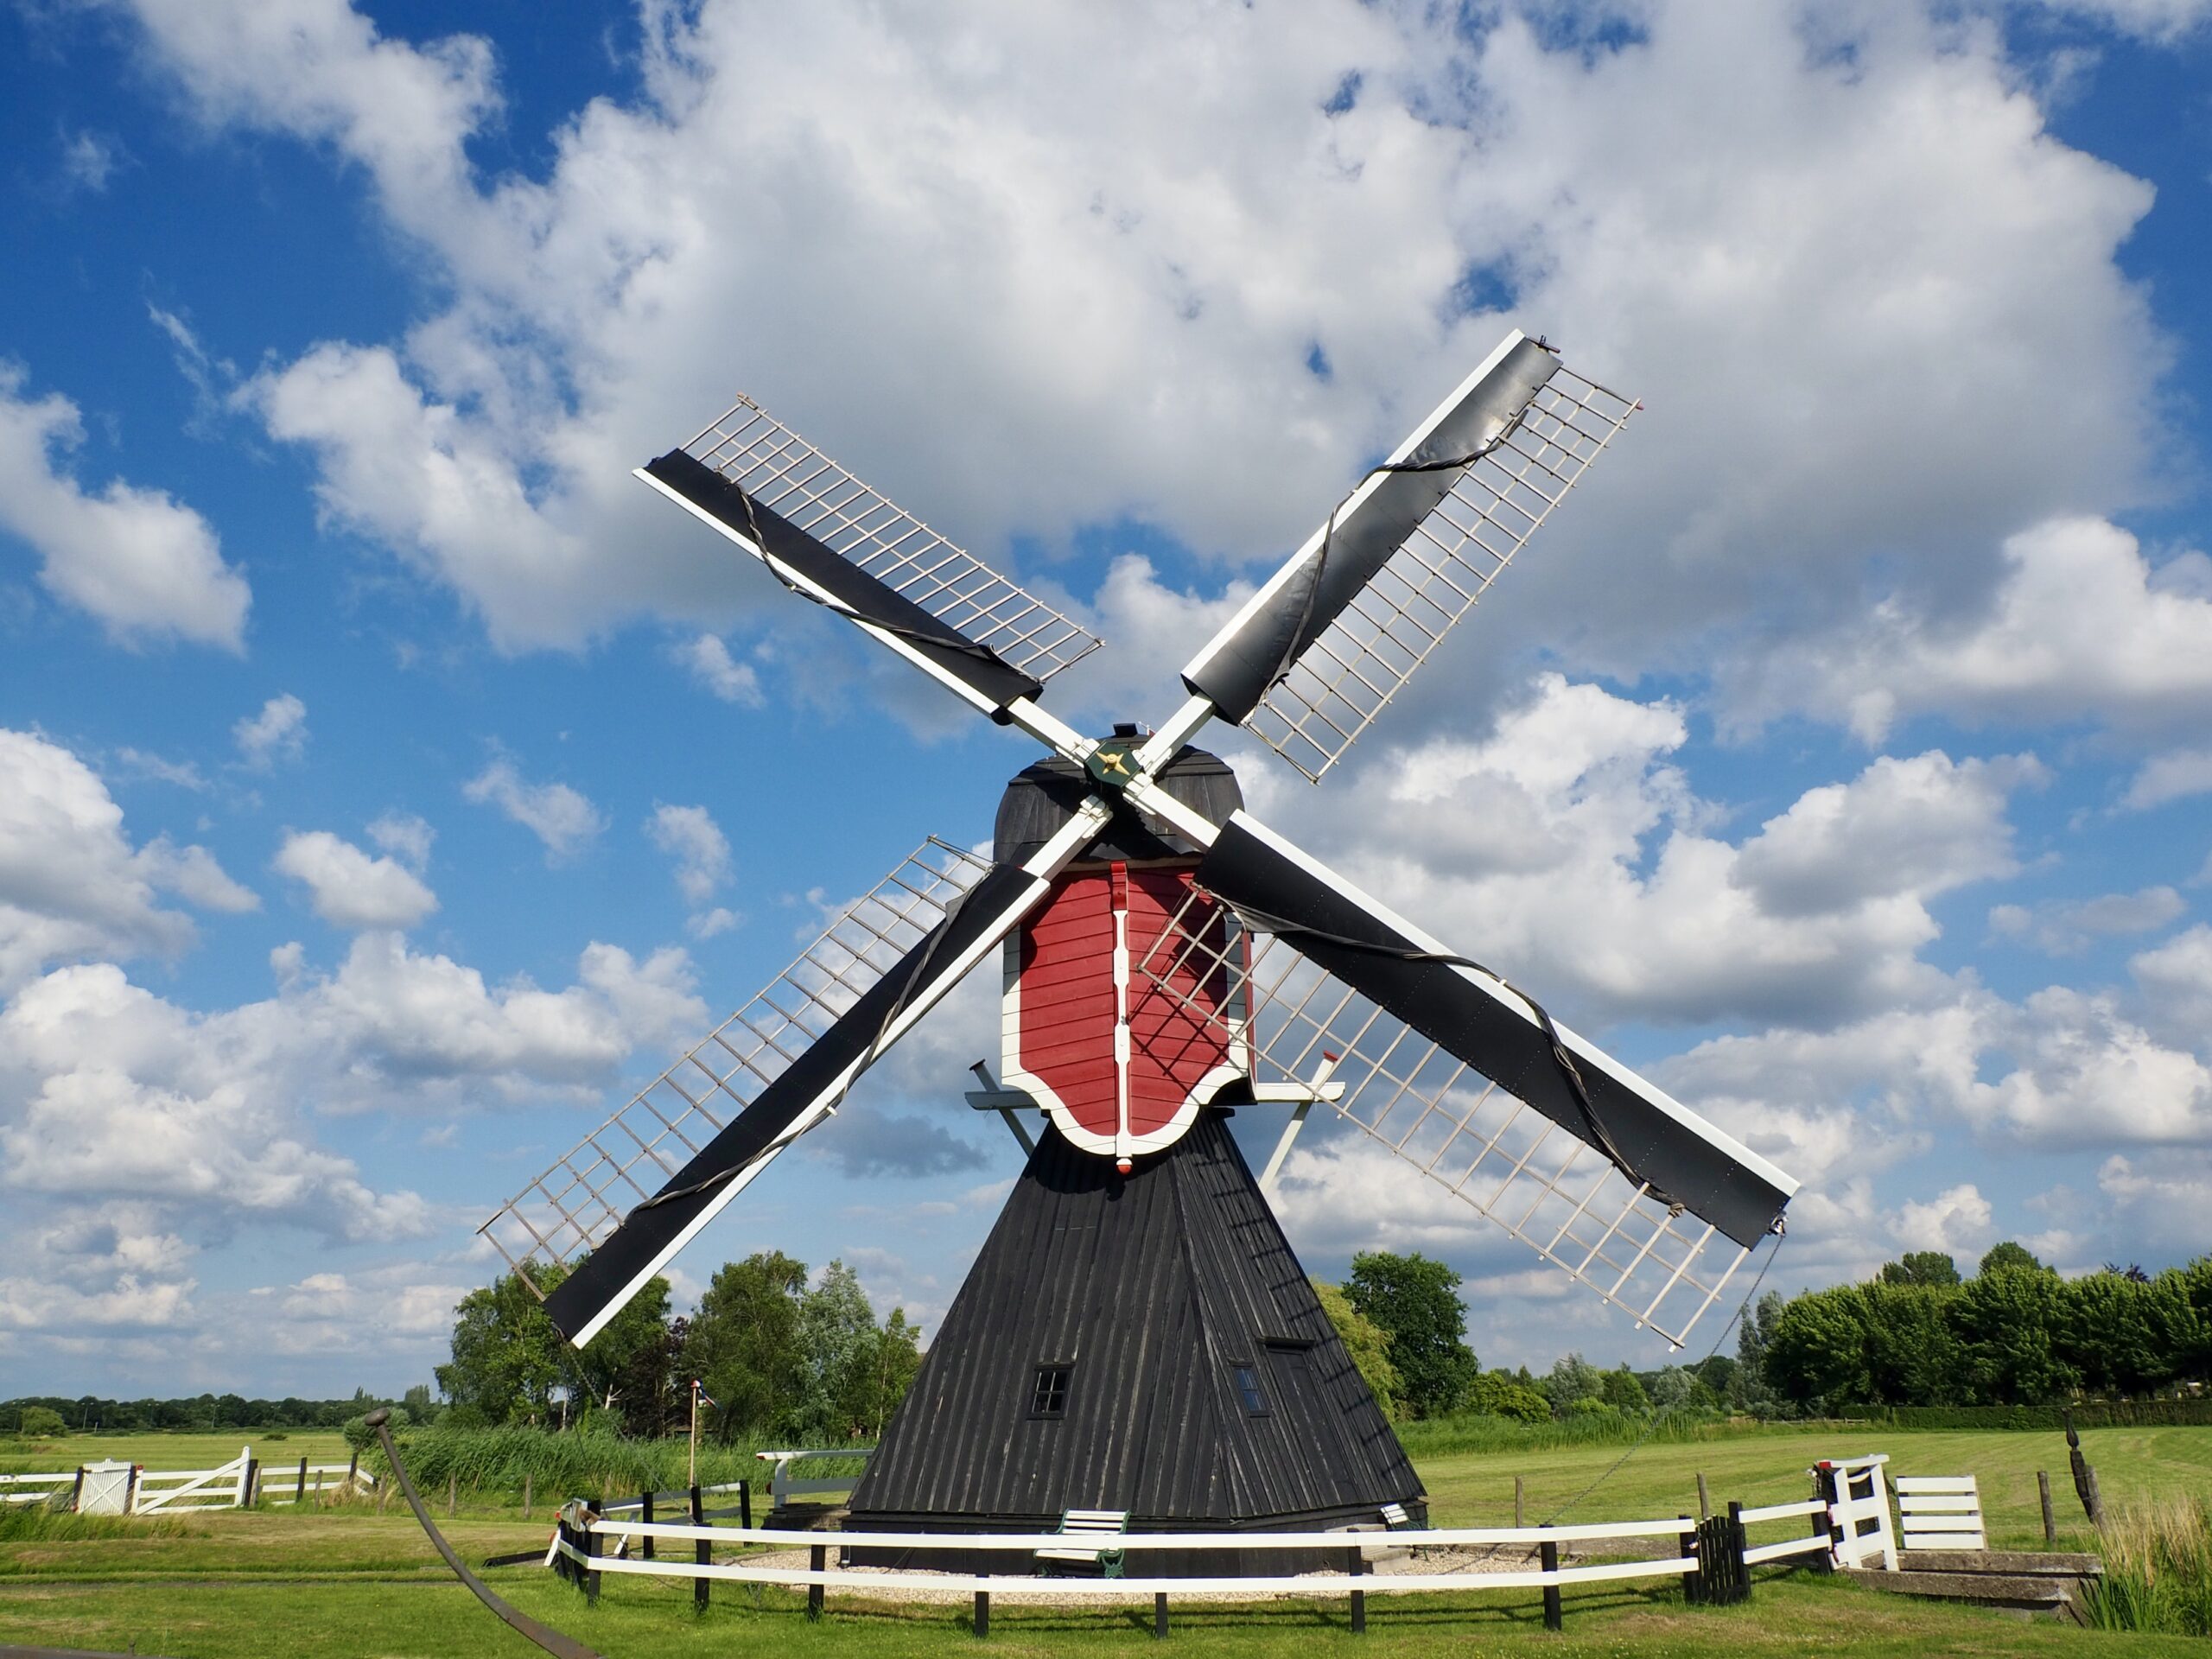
[(1136, 1333)]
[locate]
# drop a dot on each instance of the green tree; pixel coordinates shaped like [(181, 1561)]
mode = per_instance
[(625, 1368), (1621, 1390), (743, 1343), (2127, 1336), (2009, 1321), (898, 1359), (507, 1358), (417, 1401), (1749, 1390), (1416, 1301), (1816, 1348), (1368, 1344), (1921, 1267), (1572, 1380), (1500, 1394), (2010, 1257), (837, 1344), (1912, 1356), (43, 1422)]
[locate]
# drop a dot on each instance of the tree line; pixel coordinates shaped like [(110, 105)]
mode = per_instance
[(1920, 1333), (779, 1355), (51, 1415)]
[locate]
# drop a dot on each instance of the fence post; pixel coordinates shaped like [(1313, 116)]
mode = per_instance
[(526, 1494), (1704, 1501), (1359, 1569), (300, 1493), (814, 1590), (745, 1504), (384, 1494), (591, 1555), (131, 1488), (646, 1515), (703, 1553), (982, 1616), (2050, 1523), (77, 1492), (1547, 1554), (1739, 1575), (453, 1496), (1159, 1617), (1686, 1542), (1517, 1520), (353, 1472), (252, 1479)]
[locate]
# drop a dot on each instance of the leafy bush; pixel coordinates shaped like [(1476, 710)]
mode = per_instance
[(361, 1437), (42, 1422)]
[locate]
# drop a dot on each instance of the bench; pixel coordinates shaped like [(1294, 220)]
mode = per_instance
[(1089, 1523), (1939, 1512)]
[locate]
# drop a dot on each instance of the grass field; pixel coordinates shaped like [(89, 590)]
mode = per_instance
[(345, 1581)]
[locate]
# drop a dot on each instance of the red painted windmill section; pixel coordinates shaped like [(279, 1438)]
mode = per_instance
[(1064, 1031)]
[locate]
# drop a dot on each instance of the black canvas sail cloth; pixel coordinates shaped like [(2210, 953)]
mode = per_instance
[(808, 566), (1339, 564), (1652, 1138), (581, 1303)]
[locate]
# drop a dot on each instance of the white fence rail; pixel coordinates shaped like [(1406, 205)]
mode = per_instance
[(129, 1489)]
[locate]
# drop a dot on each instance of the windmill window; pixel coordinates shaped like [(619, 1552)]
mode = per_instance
[(1048, 1393), (1247, 1384)]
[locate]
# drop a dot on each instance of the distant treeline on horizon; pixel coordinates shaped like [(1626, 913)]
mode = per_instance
[(205, 1412)]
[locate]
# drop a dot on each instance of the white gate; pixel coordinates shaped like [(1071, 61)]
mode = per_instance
[(201, 1489), (1859, 1510)]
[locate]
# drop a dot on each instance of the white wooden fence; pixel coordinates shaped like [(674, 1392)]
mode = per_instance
[(132, 1489), (1940, 1512)]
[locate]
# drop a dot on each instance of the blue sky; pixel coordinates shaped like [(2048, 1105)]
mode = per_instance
[(387, 779)]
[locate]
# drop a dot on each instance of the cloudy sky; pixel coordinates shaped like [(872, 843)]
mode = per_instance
[(387, 779)]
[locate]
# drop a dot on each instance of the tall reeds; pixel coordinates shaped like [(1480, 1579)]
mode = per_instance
[(2158, 1572)]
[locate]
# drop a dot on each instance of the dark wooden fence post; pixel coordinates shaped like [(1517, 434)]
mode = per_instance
[(77, 1492), (1686, 1544), (982, 1616), (703, 1554), (814, 1561), (591, 1555), (646, 1515), (1160, 1616), (1517, 1505), (352, 1471), (1738, 1545), (1547, 1554), (252, 1479), (745, 1504), (1357, 1567), (300, 1496), (2049, 1522)]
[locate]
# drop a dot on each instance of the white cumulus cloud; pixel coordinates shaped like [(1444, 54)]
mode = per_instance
[(564, 818), (350, 888)]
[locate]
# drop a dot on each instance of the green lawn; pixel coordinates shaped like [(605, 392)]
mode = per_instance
[(345, 1581), (168, 1451)]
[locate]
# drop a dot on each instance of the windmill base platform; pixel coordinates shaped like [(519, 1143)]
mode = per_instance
[(1145, 1344)]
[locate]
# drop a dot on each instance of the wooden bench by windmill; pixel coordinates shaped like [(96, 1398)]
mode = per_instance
[(1136, 1335)]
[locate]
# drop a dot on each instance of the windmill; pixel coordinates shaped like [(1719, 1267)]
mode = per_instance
[(1136, 1333)]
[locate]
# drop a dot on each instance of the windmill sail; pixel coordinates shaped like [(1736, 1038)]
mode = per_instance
[(577, 1205), (823, 531), (1453, 1071), (1319, 652)]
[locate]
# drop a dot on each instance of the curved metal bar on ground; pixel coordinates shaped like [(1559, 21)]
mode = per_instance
[(561, 1647)]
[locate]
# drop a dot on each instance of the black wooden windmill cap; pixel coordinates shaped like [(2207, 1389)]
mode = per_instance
[(1043, 796)]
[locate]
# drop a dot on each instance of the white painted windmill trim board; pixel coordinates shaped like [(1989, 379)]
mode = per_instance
[(1372, 482), (829, 600), (1506, 997), (1089, 819)]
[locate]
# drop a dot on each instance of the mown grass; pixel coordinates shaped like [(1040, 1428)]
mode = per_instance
[(347, 1580), (158, 1450)]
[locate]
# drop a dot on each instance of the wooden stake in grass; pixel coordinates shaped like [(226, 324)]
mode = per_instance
[(2049, 1524), (1517, 1505), (525, 1495), (1704, 1501), (453, 1495)]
